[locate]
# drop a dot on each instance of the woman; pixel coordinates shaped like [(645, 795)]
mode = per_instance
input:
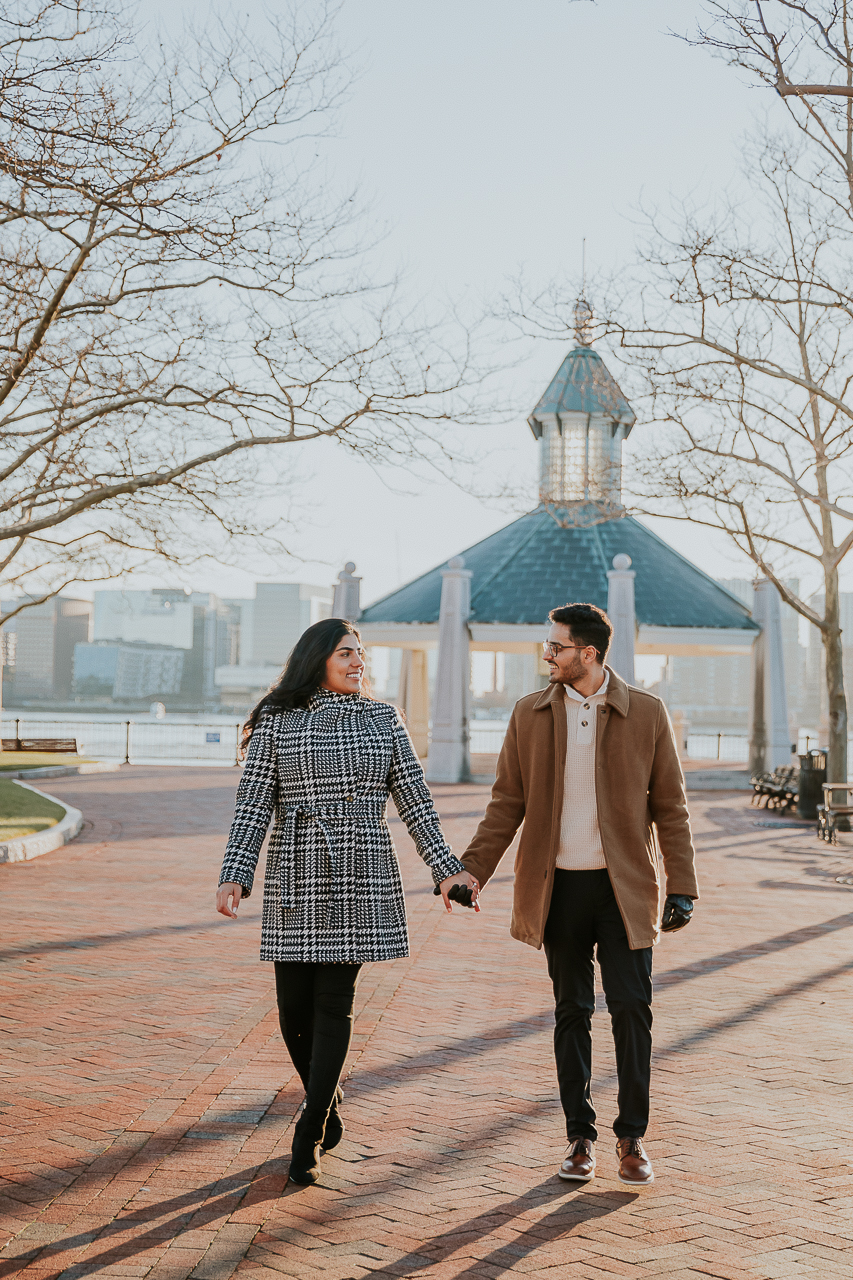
[(324, 757)]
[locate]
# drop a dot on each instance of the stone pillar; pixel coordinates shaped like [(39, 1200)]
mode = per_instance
[(413, 697), (448, 745), (347, 600), (769, 731), (620, 608)]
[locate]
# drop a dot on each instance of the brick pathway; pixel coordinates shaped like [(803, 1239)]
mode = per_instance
[(148, 1102)]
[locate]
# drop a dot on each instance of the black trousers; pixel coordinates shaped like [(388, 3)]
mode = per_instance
[(584, 919), (315, 1015)]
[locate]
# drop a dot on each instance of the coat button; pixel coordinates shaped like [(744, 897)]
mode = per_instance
[(584, 723), (586, 706), (350, 798)]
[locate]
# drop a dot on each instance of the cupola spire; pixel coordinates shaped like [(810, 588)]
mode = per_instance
[(580, 423)]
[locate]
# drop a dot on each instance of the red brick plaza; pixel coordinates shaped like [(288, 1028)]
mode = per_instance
[(148, 1101)]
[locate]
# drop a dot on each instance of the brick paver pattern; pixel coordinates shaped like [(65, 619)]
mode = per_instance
[(148, 1101)]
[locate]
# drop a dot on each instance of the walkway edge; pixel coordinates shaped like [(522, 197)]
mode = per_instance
[(63, 770), (27, 847)]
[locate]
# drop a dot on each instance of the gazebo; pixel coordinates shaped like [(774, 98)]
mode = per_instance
[(578, 544)]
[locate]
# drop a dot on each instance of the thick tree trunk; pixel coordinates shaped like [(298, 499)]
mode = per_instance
[(836, 765)]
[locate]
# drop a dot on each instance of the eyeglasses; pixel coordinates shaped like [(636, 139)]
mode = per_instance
[(550, 649)]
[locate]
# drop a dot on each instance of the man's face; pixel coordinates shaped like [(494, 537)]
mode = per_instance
[(567, 664)]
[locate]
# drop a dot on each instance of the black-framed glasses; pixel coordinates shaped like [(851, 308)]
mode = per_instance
[(550, 649)]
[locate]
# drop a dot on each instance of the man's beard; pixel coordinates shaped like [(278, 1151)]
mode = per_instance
[(575, 672)]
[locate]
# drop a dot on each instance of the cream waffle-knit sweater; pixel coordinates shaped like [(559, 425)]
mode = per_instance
[(580, 839)]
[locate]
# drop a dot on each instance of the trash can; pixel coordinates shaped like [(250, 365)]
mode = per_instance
[(812, 778)]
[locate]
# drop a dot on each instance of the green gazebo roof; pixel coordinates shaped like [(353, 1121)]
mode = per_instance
[(583, 384), (535, 564)]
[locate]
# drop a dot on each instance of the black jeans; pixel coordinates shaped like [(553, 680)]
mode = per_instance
[(315, 1015), (584, 917)]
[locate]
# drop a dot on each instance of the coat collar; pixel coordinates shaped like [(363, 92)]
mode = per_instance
[(617, 695), (328, 700)]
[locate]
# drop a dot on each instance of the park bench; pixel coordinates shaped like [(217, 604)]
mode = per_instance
[(67, 746), (776, 790), (833, 816)]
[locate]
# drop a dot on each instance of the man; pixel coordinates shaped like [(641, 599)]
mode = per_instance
[(590, 766)]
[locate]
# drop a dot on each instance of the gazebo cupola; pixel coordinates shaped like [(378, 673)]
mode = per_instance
[(580, 423)]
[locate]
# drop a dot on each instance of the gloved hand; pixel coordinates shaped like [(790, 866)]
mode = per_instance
[(460, 893), (677, 911)]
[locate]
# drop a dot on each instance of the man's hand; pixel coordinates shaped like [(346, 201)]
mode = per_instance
[(224, 895), (463, 889), (677, 911)]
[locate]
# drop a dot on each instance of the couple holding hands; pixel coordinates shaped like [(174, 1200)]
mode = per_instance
[(590, 771)]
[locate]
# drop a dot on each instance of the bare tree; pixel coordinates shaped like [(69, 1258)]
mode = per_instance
[(738, 332), (180, 292)]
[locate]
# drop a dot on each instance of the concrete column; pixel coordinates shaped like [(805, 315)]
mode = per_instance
[(620, 608), (448, 747), (347, 600), (413, 697), (769, 731)]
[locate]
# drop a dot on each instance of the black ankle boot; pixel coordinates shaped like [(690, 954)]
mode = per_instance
[(334, 1125), (304, 1153)]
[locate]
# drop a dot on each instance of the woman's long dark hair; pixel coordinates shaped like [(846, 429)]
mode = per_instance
[(303, 672)]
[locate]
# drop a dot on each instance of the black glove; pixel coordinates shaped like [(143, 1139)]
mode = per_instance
[(460, 893), (677, 911)]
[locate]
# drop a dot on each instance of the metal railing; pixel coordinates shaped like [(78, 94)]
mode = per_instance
[(137, 741), (718, 746)]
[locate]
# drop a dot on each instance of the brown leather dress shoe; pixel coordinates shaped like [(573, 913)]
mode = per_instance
[(579, 1164), (635, 1168)]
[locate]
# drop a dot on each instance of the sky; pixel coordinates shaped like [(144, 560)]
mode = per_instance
[(492, 137)]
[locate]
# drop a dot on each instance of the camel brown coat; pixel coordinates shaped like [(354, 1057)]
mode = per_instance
[(642, 807)]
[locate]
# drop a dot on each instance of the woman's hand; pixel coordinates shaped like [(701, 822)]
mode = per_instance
[(224, 895), (466, 880)]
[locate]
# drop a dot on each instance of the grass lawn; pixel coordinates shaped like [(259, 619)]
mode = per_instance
[(36, 759), (23, 813)]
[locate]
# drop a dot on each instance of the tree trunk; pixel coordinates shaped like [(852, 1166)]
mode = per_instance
[(836, 765)]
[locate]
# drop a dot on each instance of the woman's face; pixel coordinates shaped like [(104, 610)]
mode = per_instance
[(345, 667)]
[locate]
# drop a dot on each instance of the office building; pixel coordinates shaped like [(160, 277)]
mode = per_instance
[(127, 672), (269, 626), (204, 628), (39, 660)]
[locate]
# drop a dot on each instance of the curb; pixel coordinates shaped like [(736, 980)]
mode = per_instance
[(63, 770), (27, 847)]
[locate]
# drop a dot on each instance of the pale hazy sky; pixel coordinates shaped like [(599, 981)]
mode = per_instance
[(489, 136)]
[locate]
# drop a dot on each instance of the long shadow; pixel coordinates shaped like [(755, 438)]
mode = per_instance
[(767, 947), (105, 939), (265, 1182), (754, 1010), (799, 886), (583, 1207)]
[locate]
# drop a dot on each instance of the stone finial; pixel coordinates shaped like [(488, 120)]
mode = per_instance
[(347, 598), (622, 562), (456, 562)]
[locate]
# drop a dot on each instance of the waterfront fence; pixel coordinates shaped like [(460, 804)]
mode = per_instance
[(137, 741), (486, 737)]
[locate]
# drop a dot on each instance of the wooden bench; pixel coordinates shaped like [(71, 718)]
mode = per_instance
[(777, 790), (66, 746), (834, 817)]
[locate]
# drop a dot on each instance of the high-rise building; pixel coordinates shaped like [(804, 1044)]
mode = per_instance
[(270, 624), (127, 671), (205, 628), (282, 611), (45, 636)]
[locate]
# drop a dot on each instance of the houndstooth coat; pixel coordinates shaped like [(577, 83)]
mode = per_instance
[(333, 889)]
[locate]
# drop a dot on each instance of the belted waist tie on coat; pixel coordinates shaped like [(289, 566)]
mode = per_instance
[(352, 807)]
